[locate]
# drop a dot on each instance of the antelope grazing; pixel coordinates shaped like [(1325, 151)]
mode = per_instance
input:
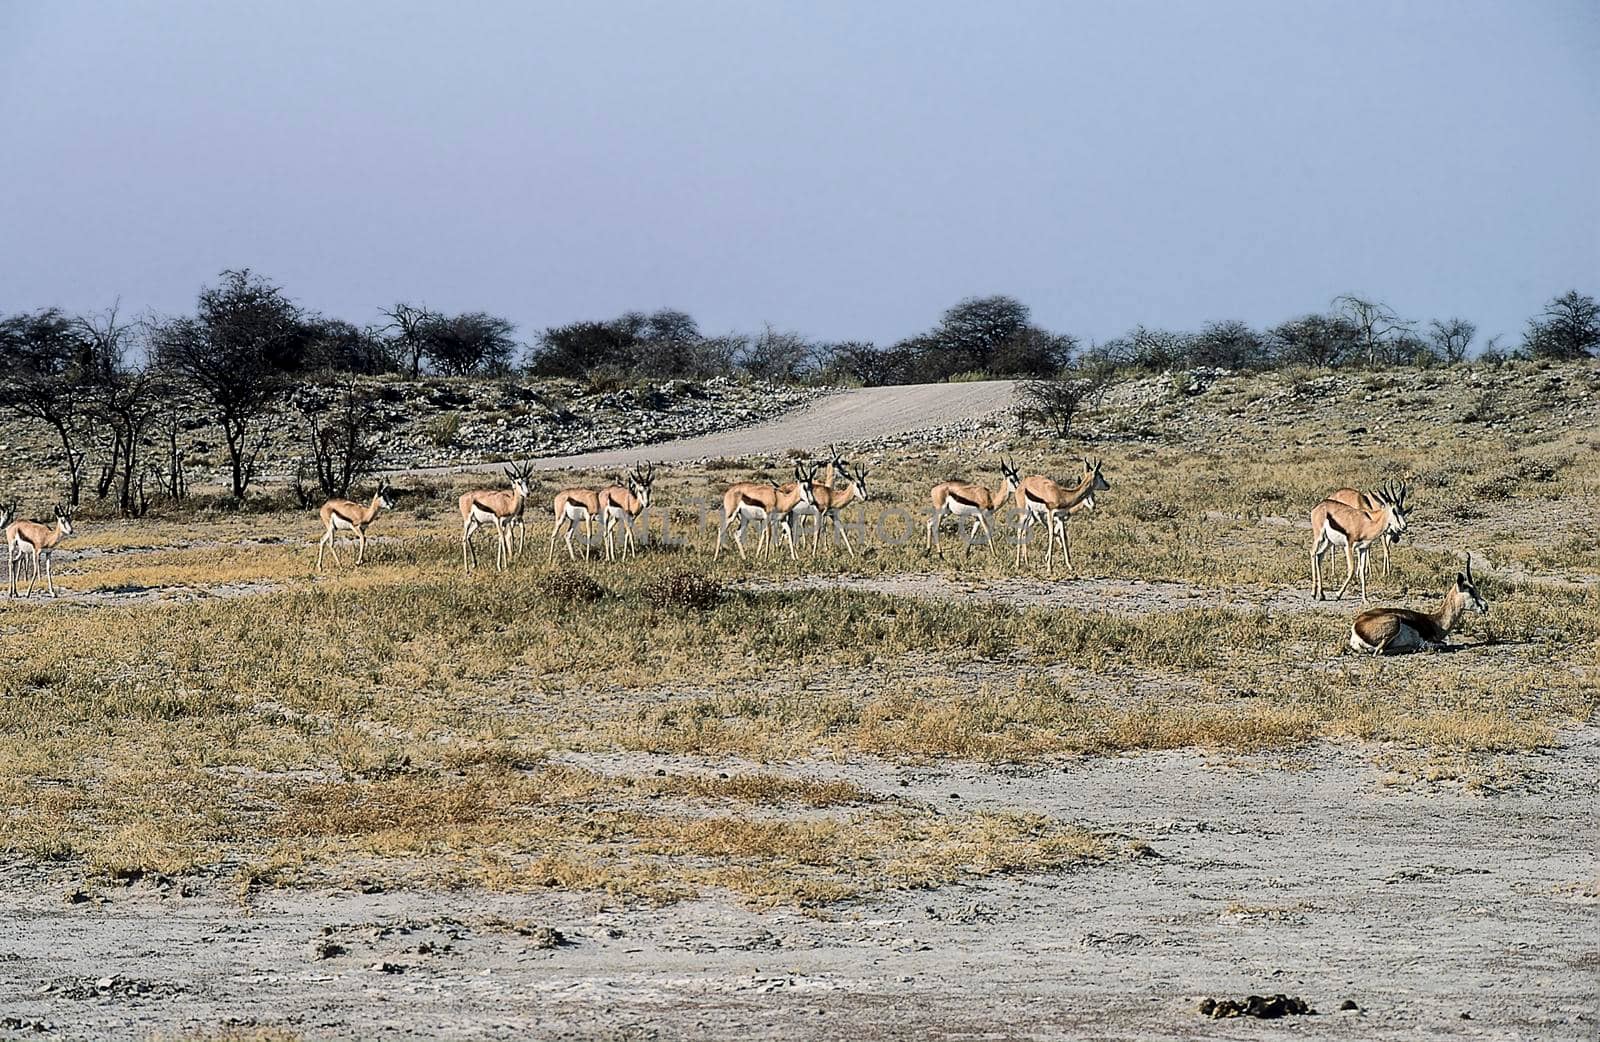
[(342, 515), (1381, 630), (828, 501), (571, 506), (1039, 498), (752, 501), (497, 507), (961, 500), (1336, 524), (624, 505), (41, 540)]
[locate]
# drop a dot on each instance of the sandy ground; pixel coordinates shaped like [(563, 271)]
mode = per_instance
[(853, 415), (1439, 912)]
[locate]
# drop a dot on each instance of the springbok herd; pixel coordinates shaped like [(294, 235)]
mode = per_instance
[(1348, 518)]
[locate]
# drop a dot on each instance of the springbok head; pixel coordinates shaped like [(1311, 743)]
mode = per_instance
[(1392, 501), (836, 460), (385, 495), (858, 482), (1008, 470), (640, 481), (1092, 474), (804, 476), (520, 474), (1467, 591), (64, 519)]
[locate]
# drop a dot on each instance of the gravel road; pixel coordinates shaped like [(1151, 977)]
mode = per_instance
[(854, 415)]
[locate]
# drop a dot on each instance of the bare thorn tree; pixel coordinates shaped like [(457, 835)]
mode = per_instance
[(1451, 338), (339, 426), (409, 327), (1375, 323), (1055, 402)]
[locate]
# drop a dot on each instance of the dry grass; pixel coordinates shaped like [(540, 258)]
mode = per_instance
[(396, 722)]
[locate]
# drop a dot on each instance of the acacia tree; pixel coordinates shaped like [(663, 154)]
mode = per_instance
[(469, 344), (1321, 340), (45, 369), (1569, 328), (230, 353)]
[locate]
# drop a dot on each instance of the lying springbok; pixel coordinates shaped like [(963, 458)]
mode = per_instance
[(1381, 630), (1354, 497), (755, 502), (1039, 498), (624, 504), (1335, 524), (571, 506), (497, 507), (961, 500), (343, 515), (828, 501), (41, 540)]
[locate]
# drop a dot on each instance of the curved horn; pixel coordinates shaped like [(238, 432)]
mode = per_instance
[(1469, 566)]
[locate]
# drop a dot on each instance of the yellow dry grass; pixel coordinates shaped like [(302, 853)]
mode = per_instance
[(403, 723)]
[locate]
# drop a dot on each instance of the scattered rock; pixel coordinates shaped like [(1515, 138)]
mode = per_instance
[(1259, 1006), (543, 936), (23, 1024), (1349, 1004), (387, 967), (326, 948)]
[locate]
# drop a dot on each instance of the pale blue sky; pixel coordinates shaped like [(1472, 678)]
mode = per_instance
[(843, 169)]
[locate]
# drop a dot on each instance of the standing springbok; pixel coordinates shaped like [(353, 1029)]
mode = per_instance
[(1381, 630), (571, 506), (497, 507), (828, 501), (41, 540), (342, 515), (962, 500), (1039, 498), (624, 505), (755, 502), (1336, 524), (805, 511), (1354, 497)]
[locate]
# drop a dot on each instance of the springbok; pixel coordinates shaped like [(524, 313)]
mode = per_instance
[(959, 500), (1381, 630), (828, 501), (1039, 498), (806, 511), (753, 501), (497, 507), (1335, 524), (342, 515), (41, 540), (571, 506), (1354, 497), (624, 505)]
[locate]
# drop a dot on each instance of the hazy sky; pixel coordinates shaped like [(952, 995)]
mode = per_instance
[(847, 170)]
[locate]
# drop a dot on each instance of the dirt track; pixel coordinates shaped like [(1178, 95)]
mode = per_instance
[(855, 415), (1439, 913)]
